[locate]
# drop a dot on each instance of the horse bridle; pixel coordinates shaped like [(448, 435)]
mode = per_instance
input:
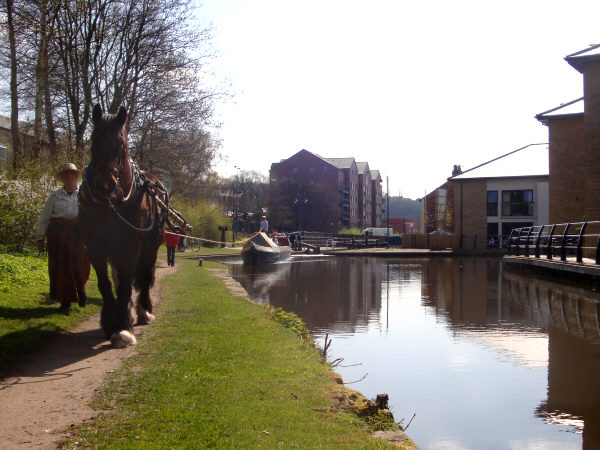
[(86, 189)]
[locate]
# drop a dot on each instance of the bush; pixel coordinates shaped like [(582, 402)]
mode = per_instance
[(22, 197), (204, 217), (355, 231)]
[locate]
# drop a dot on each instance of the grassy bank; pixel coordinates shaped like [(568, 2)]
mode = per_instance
[(217, 371), (27, 316)]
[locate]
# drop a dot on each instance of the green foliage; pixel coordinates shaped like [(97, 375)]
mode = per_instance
[(21, 270), (293, 322), (354, 231), (204, 217), (381, 420), (404, 208), (22, 197)]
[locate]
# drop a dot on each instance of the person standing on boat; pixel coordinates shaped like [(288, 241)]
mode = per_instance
[(68, 262), (264, 225)]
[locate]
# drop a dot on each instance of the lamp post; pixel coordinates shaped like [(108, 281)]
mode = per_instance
[(235, 205)]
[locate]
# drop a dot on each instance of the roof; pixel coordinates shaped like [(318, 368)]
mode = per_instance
[(578, 59), (529, 161), (341, 163), (375, 175), (571, 108), (24, 127), (325, 160), (362, 167)]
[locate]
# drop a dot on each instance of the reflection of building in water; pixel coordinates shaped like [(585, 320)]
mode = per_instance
[(476, 292), (534, 321), (573, 388), (344, 293), (457, 288), (571, 315)]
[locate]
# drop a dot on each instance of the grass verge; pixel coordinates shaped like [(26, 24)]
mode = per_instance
[(27, 316), (216, 371)]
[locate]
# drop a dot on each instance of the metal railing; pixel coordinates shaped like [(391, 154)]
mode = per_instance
[(557, 240), (342, 240)]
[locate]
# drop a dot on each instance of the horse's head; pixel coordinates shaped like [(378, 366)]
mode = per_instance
[(109, 170)]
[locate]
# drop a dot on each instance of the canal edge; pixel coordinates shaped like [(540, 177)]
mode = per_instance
[(345, 396)]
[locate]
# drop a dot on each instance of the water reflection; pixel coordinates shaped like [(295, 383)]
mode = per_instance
[(486, 358), (343, 298)]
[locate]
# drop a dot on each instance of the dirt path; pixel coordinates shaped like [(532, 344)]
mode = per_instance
[(51, 390)]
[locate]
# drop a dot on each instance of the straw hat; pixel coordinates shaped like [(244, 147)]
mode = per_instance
[(68, 167)]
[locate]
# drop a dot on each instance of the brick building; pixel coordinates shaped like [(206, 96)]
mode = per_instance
[(313, 193), (349, 191), (376, 199), (574, 137), (364, 194), (491, 199)]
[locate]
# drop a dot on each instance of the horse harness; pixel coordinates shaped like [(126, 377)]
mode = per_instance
[(140, 184)]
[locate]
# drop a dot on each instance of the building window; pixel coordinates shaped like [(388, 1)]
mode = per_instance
[(324, 168), (492, 203), (3, 152), (517, 203), (311, 169), (295, 170)]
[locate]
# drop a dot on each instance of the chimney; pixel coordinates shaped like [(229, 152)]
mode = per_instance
[(456, 170)]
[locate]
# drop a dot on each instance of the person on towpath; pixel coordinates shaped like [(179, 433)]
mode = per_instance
[(171, 239), (68, 262)]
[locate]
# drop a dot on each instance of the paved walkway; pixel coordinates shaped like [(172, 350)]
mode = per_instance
[(569, 268)]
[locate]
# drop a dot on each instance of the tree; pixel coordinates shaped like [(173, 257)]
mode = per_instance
[(17, 146), (145, 54)]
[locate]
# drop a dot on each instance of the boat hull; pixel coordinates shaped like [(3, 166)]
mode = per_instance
[(259, 250)]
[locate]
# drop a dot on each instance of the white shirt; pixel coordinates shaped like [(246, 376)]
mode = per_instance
[(59, 204), (264, 226)]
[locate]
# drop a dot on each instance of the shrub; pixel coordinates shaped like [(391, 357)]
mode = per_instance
[(204, 217), (22, 197)]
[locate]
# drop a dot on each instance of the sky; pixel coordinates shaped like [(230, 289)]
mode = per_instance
[(411, 87)]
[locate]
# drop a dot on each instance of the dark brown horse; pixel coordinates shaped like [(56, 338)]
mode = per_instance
[(122, 213)]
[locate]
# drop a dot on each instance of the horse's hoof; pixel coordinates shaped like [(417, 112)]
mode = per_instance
[(122, 339), (145, 318)]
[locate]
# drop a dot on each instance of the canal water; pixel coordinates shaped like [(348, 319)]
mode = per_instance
[(486, 358)]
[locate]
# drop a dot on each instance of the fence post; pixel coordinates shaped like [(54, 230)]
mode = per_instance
[(563, 249), (518, 253), (536, 252), (527, 241), (508, 242), (579, 241), (549, 249)]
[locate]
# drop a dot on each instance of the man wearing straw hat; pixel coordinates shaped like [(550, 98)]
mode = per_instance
[(68, 263)]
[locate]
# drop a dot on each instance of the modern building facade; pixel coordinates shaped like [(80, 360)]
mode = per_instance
[(491, 199), (574, 139), (313, 193)]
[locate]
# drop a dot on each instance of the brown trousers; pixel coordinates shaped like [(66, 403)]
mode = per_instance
[(68, 262)]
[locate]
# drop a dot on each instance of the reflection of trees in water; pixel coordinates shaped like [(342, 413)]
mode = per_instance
[(337, 294)]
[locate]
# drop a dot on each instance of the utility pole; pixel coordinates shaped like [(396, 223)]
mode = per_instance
[(387, 180)]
